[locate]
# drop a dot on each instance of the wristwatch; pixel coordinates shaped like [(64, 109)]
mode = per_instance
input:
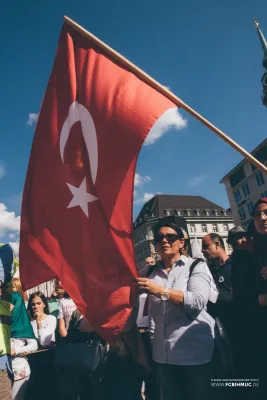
[(165, 295)]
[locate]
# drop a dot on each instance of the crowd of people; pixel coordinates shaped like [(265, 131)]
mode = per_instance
[(199, 315)]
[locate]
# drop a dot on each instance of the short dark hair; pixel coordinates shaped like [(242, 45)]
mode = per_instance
[(215, 237), (43, 298), (165, 223)]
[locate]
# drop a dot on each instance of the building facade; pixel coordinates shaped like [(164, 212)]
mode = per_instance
[(195, 214), (245, 184), (264, 63)]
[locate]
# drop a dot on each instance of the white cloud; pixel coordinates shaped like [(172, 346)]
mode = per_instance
[(32, 119), (8, 221), (2, 169), (197, 180), (12, 236), (170, 119), (15, 201), (144, 198), (15, 247), (139, 180)]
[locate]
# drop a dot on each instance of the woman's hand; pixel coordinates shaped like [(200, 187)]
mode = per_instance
[(13, 353), (264, 272), (38, 317), (149, 286)]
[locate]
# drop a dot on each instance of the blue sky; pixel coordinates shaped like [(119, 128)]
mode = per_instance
[(207, 52)]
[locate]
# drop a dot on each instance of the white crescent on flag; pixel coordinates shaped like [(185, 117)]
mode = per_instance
[(77, 112)]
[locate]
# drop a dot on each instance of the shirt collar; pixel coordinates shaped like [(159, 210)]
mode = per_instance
[(177, 263)]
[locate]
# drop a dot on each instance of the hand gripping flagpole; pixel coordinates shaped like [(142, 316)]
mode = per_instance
[(164, 91)]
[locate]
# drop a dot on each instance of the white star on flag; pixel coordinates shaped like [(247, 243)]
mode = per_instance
[(80, 197)]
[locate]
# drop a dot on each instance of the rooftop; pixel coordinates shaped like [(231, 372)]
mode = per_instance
[(244, 159), (198, 206)]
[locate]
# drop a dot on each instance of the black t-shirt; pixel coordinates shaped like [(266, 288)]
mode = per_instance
[(222, 276), (223, 307), (246, 278)]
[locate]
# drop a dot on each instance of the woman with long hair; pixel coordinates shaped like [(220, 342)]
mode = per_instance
[(22, 341), (43, 324), (250, 299)]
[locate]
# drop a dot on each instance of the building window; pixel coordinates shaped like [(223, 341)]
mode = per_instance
[(261, 155), (237, 177), (237, 195), (215, 228), (246, 189), (198, 212), (188, 212), (250, 207), (225, 212), (260, 178), (264, 194), (178, 212), (168, 212), (153, 215), (192, 228), (204, 228), (216, 212), (242, 213), (225, 227), (207, 212)]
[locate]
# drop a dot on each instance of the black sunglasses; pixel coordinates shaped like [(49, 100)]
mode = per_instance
[(170, 237), (258, 214)]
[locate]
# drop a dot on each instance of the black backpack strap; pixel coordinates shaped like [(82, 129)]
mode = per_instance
[(194, 264)]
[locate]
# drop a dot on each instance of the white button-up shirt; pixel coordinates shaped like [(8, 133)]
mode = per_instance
[(182, 334)]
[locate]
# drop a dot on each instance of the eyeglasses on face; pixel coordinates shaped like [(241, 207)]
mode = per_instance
[(170, 237), (258, 214)]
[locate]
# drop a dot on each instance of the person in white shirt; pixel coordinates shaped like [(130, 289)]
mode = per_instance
[(43, 324), (66, 309)]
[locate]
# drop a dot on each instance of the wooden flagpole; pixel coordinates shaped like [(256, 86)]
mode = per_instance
[(163, 90)]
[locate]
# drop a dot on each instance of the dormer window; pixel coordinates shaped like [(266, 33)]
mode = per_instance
[(198, 212), (216, 212), (188, 212), (153, 215), (207, 212), (178, 212), (225, 212), (167, 212)]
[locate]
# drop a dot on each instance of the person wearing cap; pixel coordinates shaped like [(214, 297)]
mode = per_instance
[(250, 300), (182, 331), (236, 237)]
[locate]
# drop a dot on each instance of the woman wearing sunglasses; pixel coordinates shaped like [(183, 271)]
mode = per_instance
[(181, 329), (249, 283)]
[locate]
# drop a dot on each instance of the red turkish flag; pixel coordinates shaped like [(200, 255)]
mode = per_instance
[(76, 221)]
